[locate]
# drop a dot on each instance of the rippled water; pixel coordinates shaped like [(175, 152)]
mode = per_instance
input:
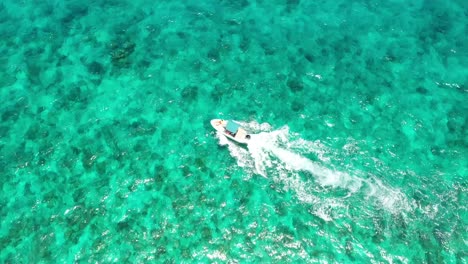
[(357, 112)]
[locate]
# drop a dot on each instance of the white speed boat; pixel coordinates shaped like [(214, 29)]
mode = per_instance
[(231, 130)]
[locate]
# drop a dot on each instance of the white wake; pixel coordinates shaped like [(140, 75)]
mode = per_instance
[(281, 156)]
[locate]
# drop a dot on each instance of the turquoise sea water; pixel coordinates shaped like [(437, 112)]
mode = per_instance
[(359, 112)]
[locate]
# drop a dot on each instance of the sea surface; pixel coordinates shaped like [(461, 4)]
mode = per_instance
[(358, 111)]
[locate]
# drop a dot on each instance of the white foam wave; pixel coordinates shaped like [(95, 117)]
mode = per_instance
[(281, 156)]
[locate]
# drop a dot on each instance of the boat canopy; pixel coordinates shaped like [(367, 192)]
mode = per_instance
[(232, 126)]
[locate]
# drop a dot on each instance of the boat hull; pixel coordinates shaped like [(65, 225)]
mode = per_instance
[(220, 125)]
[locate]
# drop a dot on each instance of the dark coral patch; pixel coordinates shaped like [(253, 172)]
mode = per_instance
[(297, 106), (421, 90), (295, 85), (190, 93), (213, 54), (121, 51), (96, 68)]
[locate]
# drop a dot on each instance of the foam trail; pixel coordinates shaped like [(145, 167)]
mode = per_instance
[(272, 154), (326, 177)]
